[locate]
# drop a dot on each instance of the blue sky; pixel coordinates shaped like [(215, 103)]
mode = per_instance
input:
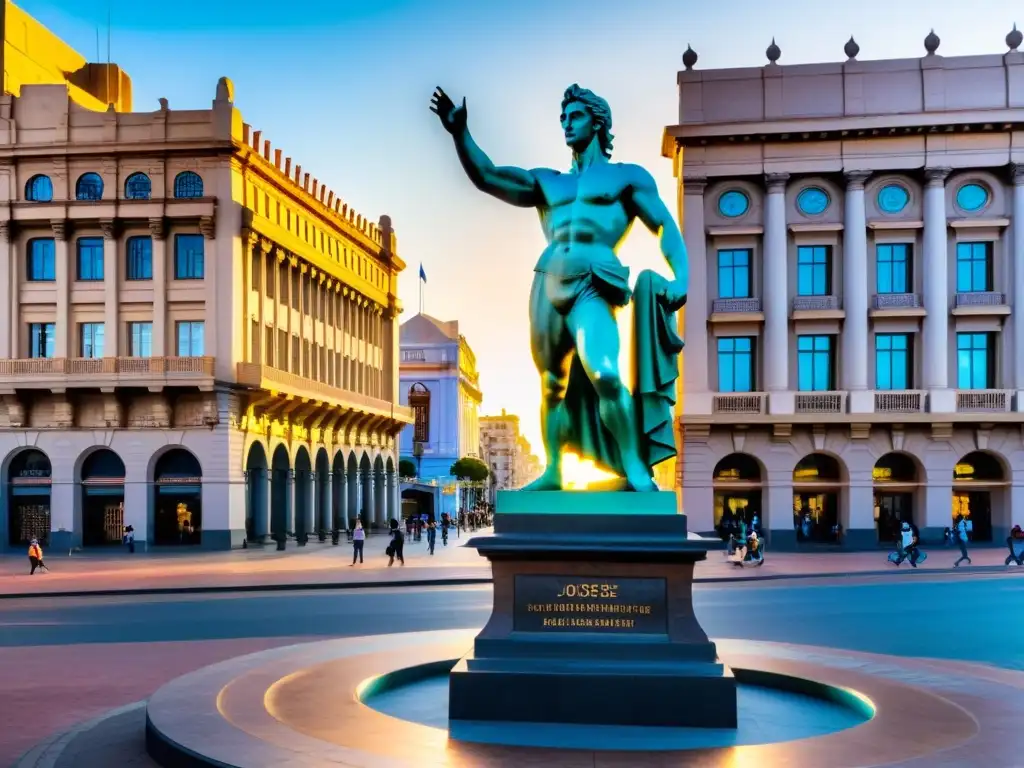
[(343, 88)]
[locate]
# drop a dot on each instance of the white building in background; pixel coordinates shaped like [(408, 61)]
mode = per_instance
[(854, 334)]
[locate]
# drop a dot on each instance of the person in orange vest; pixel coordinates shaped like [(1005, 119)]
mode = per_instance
[(35, 557)]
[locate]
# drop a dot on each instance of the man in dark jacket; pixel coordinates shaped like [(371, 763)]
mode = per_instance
[(910, 538)]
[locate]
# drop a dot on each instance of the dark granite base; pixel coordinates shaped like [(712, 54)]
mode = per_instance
[(593, 622)]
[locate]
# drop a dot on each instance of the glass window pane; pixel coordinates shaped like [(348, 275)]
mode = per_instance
[(883, 371), (742, 380), (725, 382)]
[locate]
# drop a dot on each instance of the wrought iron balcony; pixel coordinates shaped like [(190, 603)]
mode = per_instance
[(984, 400), (740, 402), (47, 372), (820, 402), (815, 303), (724, 306), (980, 299), (898, 301), (900, 401)]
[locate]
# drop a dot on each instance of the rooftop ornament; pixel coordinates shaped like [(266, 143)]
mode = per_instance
[(1014, 38), (690, 57), (851, 49), (931, 43), (773, 52)]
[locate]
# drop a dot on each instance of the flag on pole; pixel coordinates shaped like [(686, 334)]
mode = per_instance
[(423, 275)]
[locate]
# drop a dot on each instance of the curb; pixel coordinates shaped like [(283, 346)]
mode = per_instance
[(46, 753), (474, 581)]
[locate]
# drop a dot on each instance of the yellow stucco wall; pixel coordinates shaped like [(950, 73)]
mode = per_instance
[(33, 55)]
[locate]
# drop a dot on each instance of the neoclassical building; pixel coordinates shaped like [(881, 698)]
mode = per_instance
[(198, 339), (855, 327)]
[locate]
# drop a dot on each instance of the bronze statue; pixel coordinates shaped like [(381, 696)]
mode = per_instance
[(578, 287)]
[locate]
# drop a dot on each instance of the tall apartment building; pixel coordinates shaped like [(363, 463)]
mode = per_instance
[(198, 339), (854, 332), (499, 449)]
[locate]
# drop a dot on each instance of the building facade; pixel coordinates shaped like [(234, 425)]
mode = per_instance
[(500, 448), (855, 326), (439, 382), (198, 340)]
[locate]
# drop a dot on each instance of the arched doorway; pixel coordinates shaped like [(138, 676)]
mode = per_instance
[(817, 482), (257, 496), (366, 492), (353, 489), (895, 479), (102, 480), (303, 495), (737, 486), (178, 518), (979, 484), (417, 503), (280, 494), (323, 492), (28, 498)]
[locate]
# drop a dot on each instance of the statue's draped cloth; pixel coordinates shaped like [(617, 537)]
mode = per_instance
[(654, 359)]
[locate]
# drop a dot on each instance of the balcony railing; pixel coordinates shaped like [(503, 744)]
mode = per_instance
[(265, 377), (897, 301), (980, 299), (736, 305), (103, 371), (815, 303), (984, 400), (740, 402), (904, 401), (820, 402)]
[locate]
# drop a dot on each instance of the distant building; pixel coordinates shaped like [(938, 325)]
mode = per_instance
[(504, 449), (440, 383), (527, 467)]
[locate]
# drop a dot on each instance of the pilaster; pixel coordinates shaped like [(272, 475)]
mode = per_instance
[(157, 232), (855, 296), (1017, 260), (936, 294), (62, 266), (8, 288), (776, 296), (111, 289)]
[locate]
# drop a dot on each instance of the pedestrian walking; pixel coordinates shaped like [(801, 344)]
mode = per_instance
[(431, 536), (129, 538), (446, 522), (35, 558), (358, 539), (960, 534), (397, 546)]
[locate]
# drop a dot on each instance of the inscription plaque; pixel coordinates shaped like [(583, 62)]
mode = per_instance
[(602, 605)]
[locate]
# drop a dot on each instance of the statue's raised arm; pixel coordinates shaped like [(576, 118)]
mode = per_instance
[(511, 185)]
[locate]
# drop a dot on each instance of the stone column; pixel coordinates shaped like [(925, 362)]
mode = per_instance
[(859, 519), (776, 297), (381, 497), (62, 347), (696, 398), (369, 480), (263, 534), (289, 502), (357, 480), (312, 498), (394, 504), (157, 232), (1017, 259), (16, 330), (8, 289), (327, 503), (111, 284), (935, 365), (340, 521), (855, 297), (258, 498)]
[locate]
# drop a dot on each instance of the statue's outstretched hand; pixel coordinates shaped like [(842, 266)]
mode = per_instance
[(453, 118)]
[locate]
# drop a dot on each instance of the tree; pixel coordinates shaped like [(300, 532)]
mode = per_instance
[(406, 468), (468, 468)]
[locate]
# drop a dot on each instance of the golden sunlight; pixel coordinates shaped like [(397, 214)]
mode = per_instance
[(579, 474)]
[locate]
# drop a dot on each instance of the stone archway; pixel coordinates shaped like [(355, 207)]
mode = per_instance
[(737, 482), (896, 477), (981, 495), (323, 494), (304, 493), (29, 474), (257, 495), (178, 503), (818, 489), (392, 490), (281, 509), (101, 480)]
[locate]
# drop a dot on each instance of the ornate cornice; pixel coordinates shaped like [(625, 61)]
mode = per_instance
[(208, 227), (855, 179), (60, 229), (776, 182), (694, 185), (936, 177), (108, 228), (157, 228), (265, 245)]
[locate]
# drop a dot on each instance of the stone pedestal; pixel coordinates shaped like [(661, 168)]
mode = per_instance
[(593, 618)]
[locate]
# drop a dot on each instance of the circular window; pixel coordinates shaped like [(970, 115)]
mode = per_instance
[(733, 203), (972, 197), (812, 201), (892, 198)]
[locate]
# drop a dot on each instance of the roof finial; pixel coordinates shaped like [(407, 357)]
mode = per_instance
[(851, 49), (773, 52), (689, 57), (1014, 38), (931, 43)]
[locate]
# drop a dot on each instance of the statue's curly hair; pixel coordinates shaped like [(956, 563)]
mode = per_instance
[(599, 111)]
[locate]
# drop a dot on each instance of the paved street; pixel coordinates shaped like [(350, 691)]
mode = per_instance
[(320, 565), (69, 659)]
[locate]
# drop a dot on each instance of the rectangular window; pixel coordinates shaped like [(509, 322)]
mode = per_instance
[(734, 274), (736, 364), (271, 360), (894, 361), (975, 361), (893, 269), (42, 259), (90, 258), (815, 363), (140, 339), (973, 267), (139, 264), (190, 338), (296, 354), (814, 270), (41, 339), (91, 340), (188, 257)]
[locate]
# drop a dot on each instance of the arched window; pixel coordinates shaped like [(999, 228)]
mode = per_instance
[(89, 187), (39, 189), (188, 184), (419, 401), (138, 187)]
